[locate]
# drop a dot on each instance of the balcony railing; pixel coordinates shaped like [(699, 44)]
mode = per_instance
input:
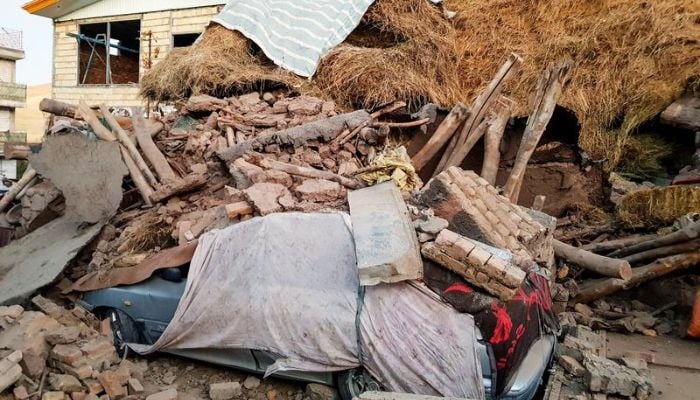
[(11, 39), (12, 137), (13, 92)]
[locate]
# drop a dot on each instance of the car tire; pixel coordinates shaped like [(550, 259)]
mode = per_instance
[(124, 330), (354, 382)]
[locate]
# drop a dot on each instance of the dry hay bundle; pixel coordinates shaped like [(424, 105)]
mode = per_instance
[(632, 59), (658, 207), (221, 63)]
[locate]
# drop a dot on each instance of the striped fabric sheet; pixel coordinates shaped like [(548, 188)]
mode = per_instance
[(295, 34)]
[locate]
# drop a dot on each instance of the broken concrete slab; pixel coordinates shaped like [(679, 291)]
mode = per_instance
[(385, 242), (89, 173), (37, 259)]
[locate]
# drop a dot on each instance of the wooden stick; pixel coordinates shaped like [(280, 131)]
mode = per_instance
[(493, 138), (611, 245), (126, 141), (187, 184), (303, 171), (150, 150), (5, 201), (136, 176), (604, 287), (410, 124), (458, 148), (59, 108), (664, 251), (100, 130), (690, 232), (230, 136), (548, 90), (593, 262), (154, 128), (442, 135), (346, 137)]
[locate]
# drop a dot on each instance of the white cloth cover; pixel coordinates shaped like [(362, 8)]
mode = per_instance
[(288, 284), (294, 34)]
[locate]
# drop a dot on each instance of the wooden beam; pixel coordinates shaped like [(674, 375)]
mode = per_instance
[(441, 136), (150, 150), (5, 201), (492, 139), (126, 141), (545, 100), (593, 262)]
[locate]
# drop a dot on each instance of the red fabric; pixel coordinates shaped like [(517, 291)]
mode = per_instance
[(510, 327)]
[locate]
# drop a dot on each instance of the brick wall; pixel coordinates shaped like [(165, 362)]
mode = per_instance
[(161, 26)]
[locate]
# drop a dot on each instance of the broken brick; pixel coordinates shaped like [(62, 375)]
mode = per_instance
[(65, 383), (63, 335), (68, 354), (238, 209), (225, 390), (320, 190), (264, 197), (170, 394)]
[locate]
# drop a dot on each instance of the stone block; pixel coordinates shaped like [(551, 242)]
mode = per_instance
[(385, 241), (225, 390)]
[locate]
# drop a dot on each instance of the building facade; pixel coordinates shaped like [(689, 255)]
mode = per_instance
[(12, 96), (102, 48)]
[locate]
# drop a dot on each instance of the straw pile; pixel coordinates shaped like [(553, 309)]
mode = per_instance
[(658, 207), (633, 58)]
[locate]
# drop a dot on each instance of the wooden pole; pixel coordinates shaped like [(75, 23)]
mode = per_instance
[(303, 171), (441, 136), (593, 262), (612, 245), (492, 140), (150, 150), (458, 148), (59, 108), (5, 201), (664, 251), (548, 90), (100, 130), (124, 139), (597, 289), (138, 178), (690, 232)]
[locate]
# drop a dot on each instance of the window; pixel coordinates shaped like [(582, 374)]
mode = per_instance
[(109, 53), (185, 39)]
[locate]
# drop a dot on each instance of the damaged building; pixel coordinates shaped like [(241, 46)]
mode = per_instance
[(102, 48)]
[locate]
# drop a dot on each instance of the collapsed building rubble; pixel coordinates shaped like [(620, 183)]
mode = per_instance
[(220, 162)]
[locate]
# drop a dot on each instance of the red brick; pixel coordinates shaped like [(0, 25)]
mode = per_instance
[(20, 393), (114, 382), (68, 354), (64, 335)]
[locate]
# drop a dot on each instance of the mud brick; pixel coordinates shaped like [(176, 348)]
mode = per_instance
[(65, 383), (135, 387), (53, 396), (64, 335), (170, 394), (114, 382), (225, 390), (68, 354)]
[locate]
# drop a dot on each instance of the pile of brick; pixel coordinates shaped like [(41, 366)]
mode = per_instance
[(584, 370), (58, 354), (205, 188)]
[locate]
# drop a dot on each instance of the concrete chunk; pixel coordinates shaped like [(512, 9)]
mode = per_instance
[(225, 390), (385, 242)]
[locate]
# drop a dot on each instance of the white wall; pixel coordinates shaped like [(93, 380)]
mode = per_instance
[(5, 120), (7, 71)]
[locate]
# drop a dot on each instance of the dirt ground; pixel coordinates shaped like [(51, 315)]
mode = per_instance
[(192, 379), (676, 365)]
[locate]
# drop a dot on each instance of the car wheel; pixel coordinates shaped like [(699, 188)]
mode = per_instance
[(124, 330), (354, 382)]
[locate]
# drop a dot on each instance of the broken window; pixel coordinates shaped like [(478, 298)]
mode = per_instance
[(185, 39), (109, 53)]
